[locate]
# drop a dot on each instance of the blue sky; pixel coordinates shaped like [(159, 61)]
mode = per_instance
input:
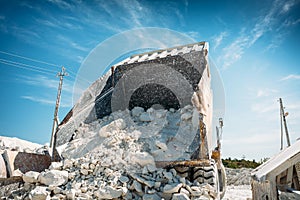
[(254, 44)]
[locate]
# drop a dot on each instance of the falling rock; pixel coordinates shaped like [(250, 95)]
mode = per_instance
[(56, 165), (161, 145), (143, 158), (39, 193), (172, 188), (67, 164), (137, 111), (53, 178), (31, 177), (151, 197), (186, 116), (118, 124), (17, 172), (145, 117), (180, 196)]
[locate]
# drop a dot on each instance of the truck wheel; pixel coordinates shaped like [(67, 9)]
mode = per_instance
[(208, 175)]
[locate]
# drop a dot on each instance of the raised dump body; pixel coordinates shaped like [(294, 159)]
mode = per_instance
[(170, 79)]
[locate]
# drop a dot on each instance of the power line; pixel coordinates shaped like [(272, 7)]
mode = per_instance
[(23, 67), (27, 58), (35, 68), (23, 64)]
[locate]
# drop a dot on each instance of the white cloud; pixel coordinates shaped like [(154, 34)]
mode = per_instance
[(287, 6), (46, 101), (193, 34), (266, 92), (73, 44), (265, 23), (80, 59), (45, 82), (218, 39), (265, 107), (49, 85), (290, 77), (62, 4), (234, 51)]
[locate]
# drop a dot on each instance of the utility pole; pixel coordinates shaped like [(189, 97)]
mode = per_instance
[(55, 119), (282, 118), (281, 126)]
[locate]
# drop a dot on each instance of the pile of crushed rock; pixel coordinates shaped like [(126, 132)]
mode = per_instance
[(240, 176), (160, 135), (114, 158), (86, 178)]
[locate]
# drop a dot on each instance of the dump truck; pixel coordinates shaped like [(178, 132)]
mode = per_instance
[(172, 78)]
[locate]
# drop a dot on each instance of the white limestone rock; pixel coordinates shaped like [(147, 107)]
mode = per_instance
[(108, 193), (57, 190), (67, 163), (184, 191), (71, 194), (151, 197), (56, 165), (114, 126), (180, 196), (168, 175), (123, 179), (186, 116), (137, 111), (31, 177), (17, 172), (151, 168), (161, 145), (137, 186), (145, 117), (39, 193), (142, 158), (53, 178), (172, 188)]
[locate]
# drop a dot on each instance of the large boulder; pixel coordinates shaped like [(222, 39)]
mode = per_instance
[(54, 178)]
